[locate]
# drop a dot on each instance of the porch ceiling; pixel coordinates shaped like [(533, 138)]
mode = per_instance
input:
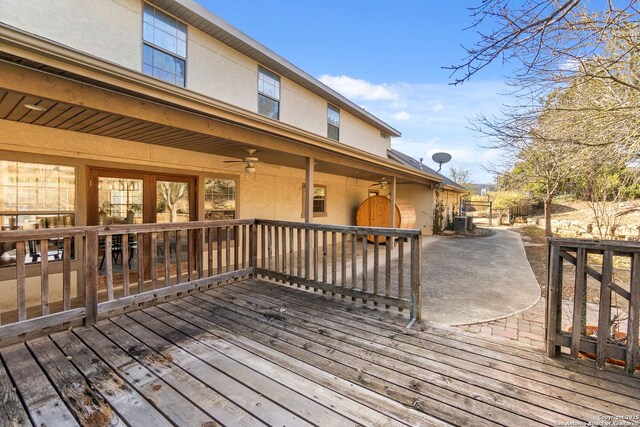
[(76, 118)]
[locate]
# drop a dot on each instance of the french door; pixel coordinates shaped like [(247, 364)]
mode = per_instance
[(134, 197)]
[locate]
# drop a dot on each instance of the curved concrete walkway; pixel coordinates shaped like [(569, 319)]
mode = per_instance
[(476, 280)]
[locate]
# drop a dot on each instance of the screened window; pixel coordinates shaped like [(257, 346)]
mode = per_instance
[(333, 122), (165, 46), (219, 199), (268, 93)]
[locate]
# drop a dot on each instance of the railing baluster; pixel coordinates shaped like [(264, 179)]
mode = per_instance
[(604, 316), (166, 257), (178, 257), (236, 247), (227, 254), (579, 302), (299, 237), (66, 273), (315, 255), (376, 264), (291, 255), (269, 249), (140, 245), (416, 277), (284, 250), (244, 245), (634, 316), (210, 270), (21, 298), (219, 250), (354, 264), (365, 272), (125, 264), (276, 238), (334, 258), (44, 276), (343, 258), (200, 252), (387, 268), (190, 255), (108, 258), (153, 254), (400, 268), (554, 299), (324, 256), (263, 253)]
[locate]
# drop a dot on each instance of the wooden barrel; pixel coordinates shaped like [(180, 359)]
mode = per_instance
[(376, 212)]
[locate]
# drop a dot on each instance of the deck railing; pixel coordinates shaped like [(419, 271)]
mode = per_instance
[(345, 260), (96, 272), (596, 260)]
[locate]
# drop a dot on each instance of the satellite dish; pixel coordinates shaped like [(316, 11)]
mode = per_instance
[(441, 158)]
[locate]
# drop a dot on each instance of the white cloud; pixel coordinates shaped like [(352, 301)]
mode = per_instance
[(438, 107), (402, 116), (358, 89)]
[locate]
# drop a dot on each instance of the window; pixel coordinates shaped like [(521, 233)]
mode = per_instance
[(219, 199), (385, 136), (319, 200), (333, 123), (32, 196), (165, 46), (268, 93)]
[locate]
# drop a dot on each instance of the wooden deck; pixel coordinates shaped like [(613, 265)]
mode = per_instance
[(257, 353)]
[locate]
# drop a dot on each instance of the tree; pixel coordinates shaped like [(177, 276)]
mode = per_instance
[(539, 162), (461, 175), (171, 196)]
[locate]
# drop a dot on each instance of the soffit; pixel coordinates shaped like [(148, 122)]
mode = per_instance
[(76, 118)]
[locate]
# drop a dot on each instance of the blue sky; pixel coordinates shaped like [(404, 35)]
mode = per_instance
[(386, 56)]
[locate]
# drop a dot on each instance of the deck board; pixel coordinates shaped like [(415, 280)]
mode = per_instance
[(257, 353)]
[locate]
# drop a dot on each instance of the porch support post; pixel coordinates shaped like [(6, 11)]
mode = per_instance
[(392, 190), (308, 217), (308, 194)]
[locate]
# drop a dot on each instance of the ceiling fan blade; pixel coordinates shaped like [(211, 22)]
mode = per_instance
[(233, 161)]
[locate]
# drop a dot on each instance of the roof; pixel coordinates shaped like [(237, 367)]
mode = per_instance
[(202, 19), (410, 161)]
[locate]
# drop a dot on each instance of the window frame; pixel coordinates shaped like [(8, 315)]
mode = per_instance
[(204, 189), (152, 45), (316, 214), (330, 126), (267, 72)]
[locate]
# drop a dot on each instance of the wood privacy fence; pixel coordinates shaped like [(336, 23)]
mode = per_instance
[(95, 272), (606, 345), (339, 259)]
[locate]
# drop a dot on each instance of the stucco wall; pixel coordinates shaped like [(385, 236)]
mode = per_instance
[(213, 68), (421, 196), (80, 24)]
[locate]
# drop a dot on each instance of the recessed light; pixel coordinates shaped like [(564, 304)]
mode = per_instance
[(35, 107)]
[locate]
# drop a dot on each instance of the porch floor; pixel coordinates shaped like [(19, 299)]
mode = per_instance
[(257, 353)]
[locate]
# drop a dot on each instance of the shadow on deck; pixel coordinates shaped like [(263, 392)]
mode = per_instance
[(257, 353)]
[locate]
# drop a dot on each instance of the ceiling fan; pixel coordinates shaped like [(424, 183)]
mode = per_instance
[(382, 184), (250, 160)]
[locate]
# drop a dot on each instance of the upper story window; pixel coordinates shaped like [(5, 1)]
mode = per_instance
[(268, 93), (164, 47), (333, 122)]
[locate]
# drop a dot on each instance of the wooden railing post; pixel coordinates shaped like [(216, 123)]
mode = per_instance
[(91, 274), (416, 277), (633, 322), (253, 247)]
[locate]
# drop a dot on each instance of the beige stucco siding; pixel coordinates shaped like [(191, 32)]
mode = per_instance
[(421, 197), (110, 30)]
